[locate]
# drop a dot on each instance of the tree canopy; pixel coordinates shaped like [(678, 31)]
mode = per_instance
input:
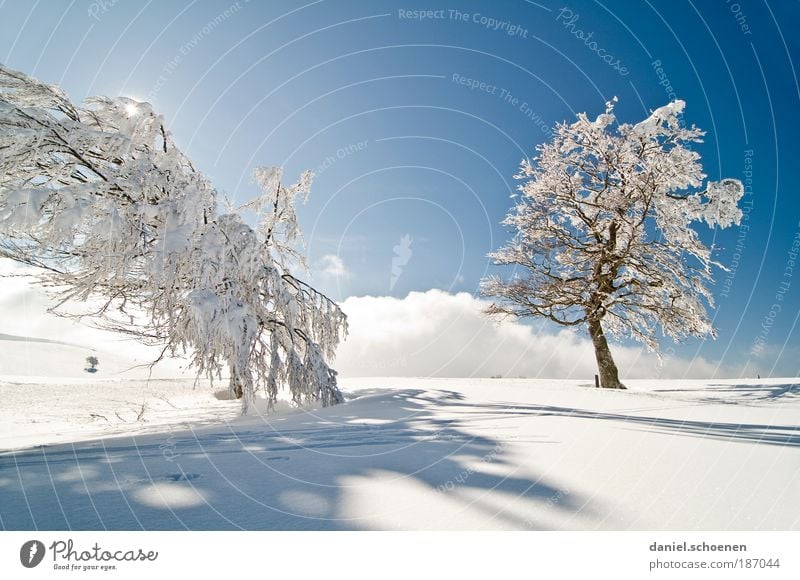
[(603, 236), (101, 200)]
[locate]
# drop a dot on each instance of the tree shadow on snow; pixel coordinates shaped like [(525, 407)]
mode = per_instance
[(741, 393), (389, 458), (768, 434)]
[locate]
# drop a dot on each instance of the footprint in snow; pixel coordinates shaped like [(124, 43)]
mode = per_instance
[(182, 476)]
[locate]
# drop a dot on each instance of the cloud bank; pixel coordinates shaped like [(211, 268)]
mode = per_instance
[(439, 334), (425, 334), (23, 313)]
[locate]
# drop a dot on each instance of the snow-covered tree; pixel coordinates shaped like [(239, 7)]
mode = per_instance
[(92, 361), (603, 232), (103, 203)]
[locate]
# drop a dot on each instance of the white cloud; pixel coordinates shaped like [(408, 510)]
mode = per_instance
[(24, 312), (332, 265), (431, 333), (435, 333)]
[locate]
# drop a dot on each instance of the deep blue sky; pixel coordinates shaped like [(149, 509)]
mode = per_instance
[(369, 99)]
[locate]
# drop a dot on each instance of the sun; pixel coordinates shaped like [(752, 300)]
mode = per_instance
[(131, 109)]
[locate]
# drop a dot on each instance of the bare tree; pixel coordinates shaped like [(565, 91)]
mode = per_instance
[(103, 203), (602, 233)]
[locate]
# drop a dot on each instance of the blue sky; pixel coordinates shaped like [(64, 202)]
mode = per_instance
[(415, 126)]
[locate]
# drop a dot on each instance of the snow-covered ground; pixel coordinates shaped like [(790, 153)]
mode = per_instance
[(401, 453)]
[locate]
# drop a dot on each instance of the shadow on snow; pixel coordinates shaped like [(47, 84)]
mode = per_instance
[(291, 472), (304, 471)]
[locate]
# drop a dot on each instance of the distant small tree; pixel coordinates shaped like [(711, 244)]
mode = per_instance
[(602, 233), (92, 361), (101, 200)]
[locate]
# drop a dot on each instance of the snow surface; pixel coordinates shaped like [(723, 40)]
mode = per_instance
[(401, 453), (40, 357)]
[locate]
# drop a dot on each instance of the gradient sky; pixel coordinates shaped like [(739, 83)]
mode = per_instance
[(379, 104)]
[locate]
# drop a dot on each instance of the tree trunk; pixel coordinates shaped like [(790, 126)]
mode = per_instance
[(609, 376), (236, 387), (241, 387)]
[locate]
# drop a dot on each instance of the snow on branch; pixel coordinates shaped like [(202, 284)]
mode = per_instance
[(101, 200), (603, 229)]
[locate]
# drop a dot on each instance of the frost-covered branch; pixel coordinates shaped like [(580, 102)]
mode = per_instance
[(103, 203), (603, 231)]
